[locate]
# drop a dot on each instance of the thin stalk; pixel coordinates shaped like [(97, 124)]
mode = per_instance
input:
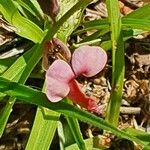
[(75, 129), (80, 4), (113, 108)]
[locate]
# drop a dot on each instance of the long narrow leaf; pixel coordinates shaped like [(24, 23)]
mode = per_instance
[(74, 126), (72, 22), (113, 108), (134, 23), (21, 65), (140, 13), (36, 97), (25, 27), (43, 130), (33, 7)]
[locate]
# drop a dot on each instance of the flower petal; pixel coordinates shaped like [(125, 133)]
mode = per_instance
[(78, 97), (57, 80), (88, 60)]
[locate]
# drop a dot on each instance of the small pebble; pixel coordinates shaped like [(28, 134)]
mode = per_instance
[(97, 81)]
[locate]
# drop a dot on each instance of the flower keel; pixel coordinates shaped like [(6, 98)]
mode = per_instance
[(78, 97)]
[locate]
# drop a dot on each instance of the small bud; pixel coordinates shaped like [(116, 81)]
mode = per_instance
[(55, 49)]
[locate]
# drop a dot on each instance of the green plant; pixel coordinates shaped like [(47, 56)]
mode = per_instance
[(41, 29)]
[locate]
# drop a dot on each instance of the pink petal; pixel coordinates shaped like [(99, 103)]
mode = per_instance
[(58, 77), (78, 97), (88, 60)]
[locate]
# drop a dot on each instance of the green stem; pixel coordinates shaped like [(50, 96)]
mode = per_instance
[(113, 108), (80, 4), (75, 129)]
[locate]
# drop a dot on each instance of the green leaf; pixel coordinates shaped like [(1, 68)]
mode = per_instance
[(65, 134), (147, 147), (106, 45), (5, 64), (28, 10), (61, 136), (33, 7), (118, 66), (36, 97), (100, 24), (134, 23), (127, 22), (91, 42), (43, 130), (19, 71), (139, 134), (143, 136), (140, 13), (27, 7), (17, 67), (4, 113), (72, 22), (75, 129), (25, 27), (45, 123)]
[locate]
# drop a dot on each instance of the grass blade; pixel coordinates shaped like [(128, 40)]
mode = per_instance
[(43, 130), (133, 23), (113, 109), (139, 13), (75, 129), (28, 10), (21, 65), (33, 7), (72, 22), (144, 136), (100, 24), (36, 97), (25, 27)]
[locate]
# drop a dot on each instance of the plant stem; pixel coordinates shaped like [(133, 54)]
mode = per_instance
[(113, 108), (80, 4)]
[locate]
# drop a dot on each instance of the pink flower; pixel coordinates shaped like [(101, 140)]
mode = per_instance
[(60, 76)]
